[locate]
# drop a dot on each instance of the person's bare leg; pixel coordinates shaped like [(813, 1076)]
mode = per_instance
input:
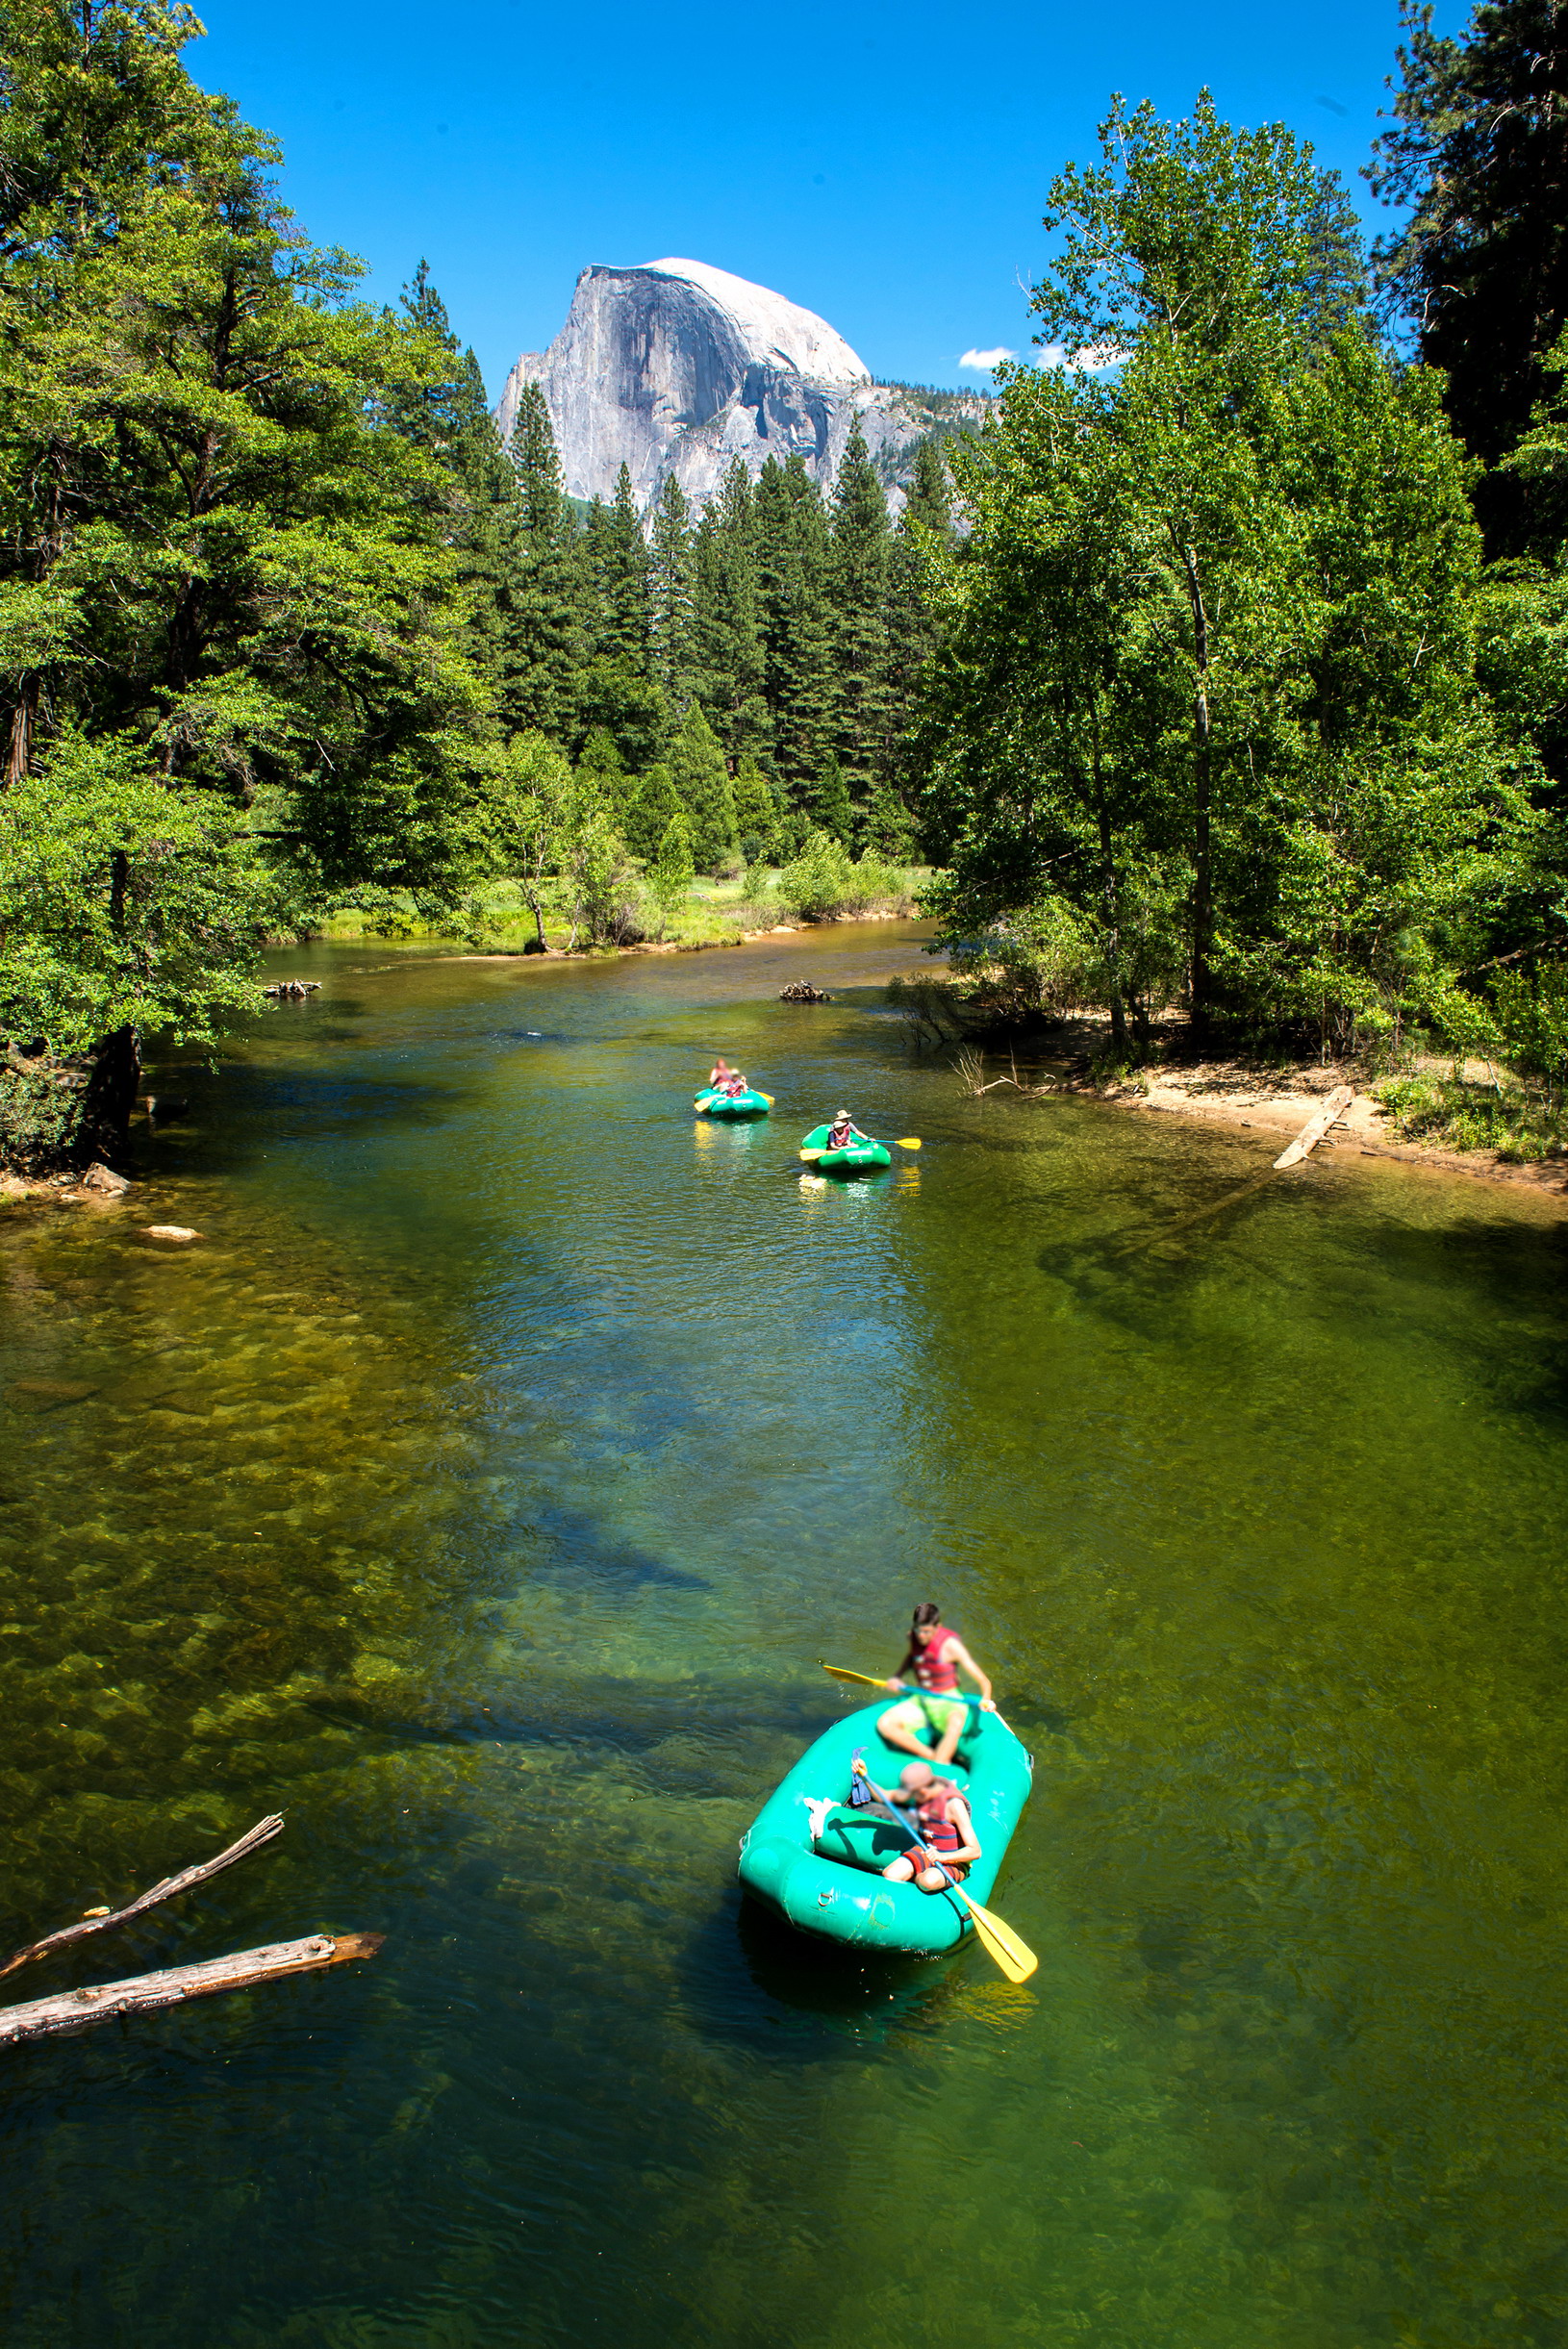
[(894, 1734), (899, 1871), (951, 1736)]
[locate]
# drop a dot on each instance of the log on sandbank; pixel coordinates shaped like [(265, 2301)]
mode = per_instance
[(165, 1889), (1316, 1127), (69, 2010)]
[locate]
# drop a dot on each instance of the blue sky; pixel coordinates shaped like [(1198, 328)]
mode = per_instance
[(884, 167)]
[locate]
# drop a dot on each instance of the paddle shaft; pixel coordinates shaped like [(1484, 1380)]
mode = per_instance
[(954, 1696)]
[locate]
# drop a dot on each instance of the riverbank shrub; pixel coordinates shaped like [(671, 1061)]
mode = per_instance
[(825, 882), (1519, 1124), (41, 1109)]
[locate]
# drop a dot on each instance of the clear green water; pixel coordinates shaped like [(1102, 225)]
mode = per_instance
[(483, 1492)]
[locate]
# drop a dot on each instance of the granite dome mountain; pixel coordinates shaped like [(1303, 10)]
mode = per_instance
[(676, 368)]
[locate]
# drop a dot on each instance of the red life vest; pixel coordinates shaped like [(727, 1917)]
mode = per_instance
[(938, 1832), (929, 1668)]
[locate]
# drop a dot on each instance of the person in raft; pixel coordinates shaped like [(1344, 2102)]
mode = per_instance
[(841, 1134), (939, 1816), (941, 1819), (934, 1658), (725, 1079)]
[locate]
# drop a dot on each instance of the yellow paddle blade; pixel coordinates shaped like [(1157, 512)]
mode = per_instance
[(1017, 1961), (768, 1099), (860, 1679), (811, 1156), (910, 1142)]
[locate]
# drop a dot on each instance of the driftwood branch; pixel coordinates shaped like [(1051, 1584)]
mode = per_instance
[(69, 2010), (1316, 1127), (261, 1832)]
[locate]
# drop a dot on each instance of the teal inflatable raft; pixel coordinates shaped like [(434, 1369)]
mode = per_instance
[(813, 1860), (861, 1158), (746, 1104)]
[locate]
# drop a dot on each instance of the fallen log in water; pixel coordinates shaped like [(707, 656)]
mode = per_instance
[(1316, 1127), (69, 2010), (261, 1832)]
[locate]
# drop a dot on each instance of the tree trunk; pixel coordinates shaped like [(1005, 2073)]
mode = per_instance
[(1109, 898), (69, 2010), (1203, 885), (19, 751), (111, 1096)]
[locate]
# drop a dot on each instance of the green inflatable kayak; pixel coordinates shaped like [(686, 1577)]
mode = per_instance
[(863, 1158), (813, 1860), (731, 1104)]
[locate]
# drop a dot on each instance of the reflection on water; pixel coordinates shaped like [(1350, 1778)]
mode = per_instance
[(482, 1493)]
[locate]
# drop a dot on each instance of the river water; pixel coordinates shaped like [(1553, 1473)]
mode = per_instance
[(483, 1491)]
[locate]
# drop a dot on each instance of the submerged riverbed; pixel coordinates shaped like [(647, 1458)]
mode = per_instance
[(482, 1492)]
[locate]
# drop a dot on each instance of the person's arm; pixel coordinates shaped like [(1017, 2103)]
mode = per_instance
[(898, 1687), (969, 1850), (958, 1654)]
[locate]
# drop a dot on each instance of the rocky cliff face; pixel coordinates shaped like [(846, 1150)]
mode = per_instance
[(676, 368)]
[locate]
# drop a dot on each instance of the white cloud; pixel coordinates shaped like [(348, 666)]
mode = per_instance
[(1093, 361), (982, 362)]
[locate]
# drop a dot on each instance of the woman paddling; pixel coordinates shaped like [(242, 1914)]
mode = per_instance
[(842, 1135), (934, 1659)]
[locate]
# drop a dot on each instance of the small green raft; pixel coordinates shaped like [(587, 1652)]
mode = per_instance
[(815, 1863), (861, 1158), (746, 1105)]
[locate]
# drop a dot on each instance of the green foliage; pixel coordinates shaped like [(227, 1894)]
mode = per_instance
[(701, 781), (125, 903), (625, 704), (672, 870), (829, 804), (858, 577), (602, 770), (756, 811), (601, 884), (1478, 161), (824, 881), (1531, 1009), (1206, 702), (41, 1110), (547, 632), (652, 804), (1461, 1116), (531, 810)]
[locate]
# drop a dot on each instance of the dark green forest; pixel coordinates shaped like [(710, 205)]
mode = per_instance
[(1226, 666)]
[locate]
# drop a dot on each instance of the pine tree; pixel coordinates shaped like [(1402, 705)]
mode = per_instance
[(602, 768), (756, 811), (859, 583), (794, 562), (547, 635), (727, 634), (1480, 157), (670, 594), (923, 537), (624, 623), (829, 802), (652, 803), (701, 780), (446, 415)]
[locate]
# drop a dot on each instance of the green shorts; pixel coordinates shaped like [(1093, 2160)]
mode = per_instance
[(926, 1711)]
